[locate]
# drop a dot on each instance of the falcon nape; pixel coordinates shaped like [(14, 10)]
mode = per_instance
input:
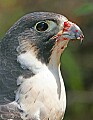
[(31, 86)]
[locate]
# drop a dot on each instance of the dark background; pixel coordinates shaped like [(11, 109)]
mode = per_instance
[(77, 60)]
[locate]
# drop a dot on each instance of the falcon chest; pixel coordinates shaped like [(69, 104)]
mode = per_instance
[(43, 95)]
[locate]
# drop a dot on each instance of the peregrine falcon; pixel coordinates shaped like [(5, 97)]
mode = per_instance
[(31, 86)]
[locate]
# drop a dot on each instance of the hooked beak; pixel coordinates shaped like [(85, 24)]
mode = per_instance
[(72, 31)]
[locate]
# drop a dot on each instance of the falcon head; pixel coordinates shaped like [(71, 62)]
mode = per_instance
[(45, 35)]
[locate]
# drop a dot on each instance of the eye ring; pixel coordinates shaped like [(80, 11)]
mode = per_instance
[(41, 26)]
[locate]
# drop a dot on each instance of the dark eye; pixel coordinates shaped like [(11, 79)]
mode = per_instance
[(42, 26)]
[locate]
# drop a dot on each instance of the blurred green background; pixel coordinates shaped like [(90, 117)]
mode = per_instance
[(77, 60)]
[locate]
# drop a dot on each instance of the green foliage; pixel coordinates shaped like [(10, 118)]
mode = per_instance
[(73, 71), (85, 9), (11, 13), (6, 3)]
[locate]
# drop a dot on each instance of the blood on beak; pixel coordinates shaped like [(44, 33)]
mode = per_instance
[(72, 31)]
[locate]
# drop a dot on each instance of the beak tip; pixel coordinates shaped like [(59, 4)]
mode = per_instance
[(80, 37)]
